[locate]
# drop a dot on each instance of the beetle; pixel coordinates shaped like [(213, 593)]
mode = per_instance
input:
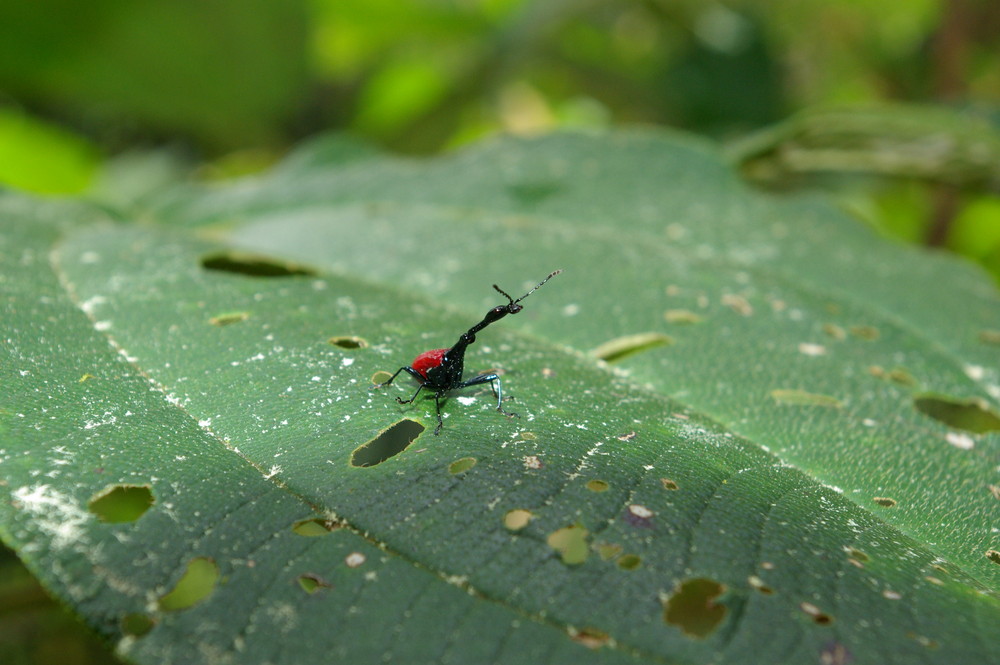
[(440, 370)]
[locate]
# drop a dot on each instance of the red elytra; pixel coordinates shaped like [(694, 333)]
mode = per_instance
[(428, 360)]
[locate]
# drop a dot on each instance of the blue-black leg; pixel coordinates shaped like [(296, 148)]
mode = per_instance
[(495, 384)]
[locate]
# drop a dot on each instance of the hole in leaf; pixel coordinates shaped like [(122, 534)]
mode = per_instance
[(387, 444), (314, 527), (461, 465), (517, 519), (885, 501), (194, 586), (253, 265), (621, 347), (229, 318), (380, 377), (349, 342), (607, 551), (592, 638), (818, 616), (971, 415), (867, 333), (121, 503), (693, 609), (311, 583), (669, 484), (137, 624), (759, 585), (993, 555), (681, 316), (571, 543), (639, 516), (795, 397), (597, 486), (629, 561), (857, 554), (989, 336)]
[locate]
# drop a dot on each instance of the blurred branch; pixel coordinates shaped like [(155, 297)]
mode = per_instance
[(939, 146)]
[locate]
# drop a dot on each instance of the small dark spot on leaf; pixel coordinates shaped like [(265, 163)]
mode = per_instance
[(885, 501), (571, 543), (121, 503), (311, 583), (387, 444), (194, 586), (629, 561), (759, 585), (229, 318), (867, 333), (253, 265), (349, 342), (818, 616), (692, 607), (314, 527), (621, 347), (461, 465), (989, 336), (857, 554), (597, 486), (834, 331), (137, 624), (669, 484), (517, 519), (993, 555), (591, 638), (971, 415)]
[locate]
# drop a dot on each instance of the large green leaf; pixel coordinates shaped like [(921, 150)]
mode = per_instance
[(778, 473)]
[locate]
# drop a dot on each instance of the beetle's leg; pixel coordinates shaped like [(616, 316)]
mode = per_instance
[(409, 370), (437, 403), (496, 384)]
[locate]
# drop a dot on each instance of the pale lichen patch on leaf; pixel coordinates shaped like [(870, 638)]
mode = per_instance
[(55, 513)]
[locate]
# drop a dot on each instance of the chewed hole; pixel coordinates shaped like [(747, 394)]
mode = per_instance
[(620, 347), (972, 415), (818, 616), (137, 624), (517, 519), (121, 503), (349, 342), (993, 555), (314, 527), (884, 501), (629, 561), (597, 485), (311, 583), (229, 318), (693, 607), (195, 585), (571, 543), (461, 465), (253, 265), (591, 638), (389, 443), (669, 484)]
